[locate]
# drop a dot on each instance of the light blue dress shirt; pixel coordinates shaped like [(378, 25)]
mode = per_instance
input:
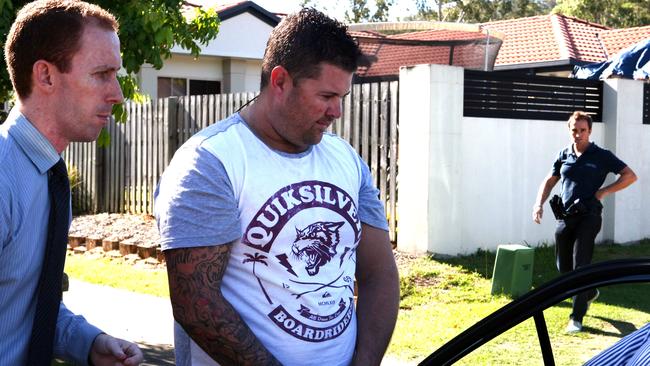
[(25, 157)]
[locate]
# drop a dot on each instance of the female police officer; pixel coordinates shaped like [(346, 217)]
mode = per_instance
[(581, 168)]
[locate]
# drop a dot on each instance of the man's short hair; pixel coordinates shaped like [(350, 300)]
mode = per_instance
[(305, 39), (49, 30), (580, 116)]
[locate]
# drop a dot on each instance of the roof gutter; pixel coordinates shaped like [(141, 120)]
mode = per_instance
[(565, 62)]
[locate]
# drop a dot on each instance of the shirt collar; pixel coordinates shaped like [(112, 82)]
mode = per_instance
[(592, 147), (35, 146)]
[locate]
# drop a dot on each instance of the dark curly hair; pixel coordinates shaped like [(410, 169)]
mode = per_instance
[(305, 39)]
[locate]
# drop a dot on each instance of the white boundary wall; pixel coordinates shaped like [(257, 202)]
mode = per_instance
[(469, 183)]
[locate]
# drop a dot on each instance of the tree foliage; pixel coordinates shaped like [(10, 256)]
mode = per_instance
[(359, 12), (148, 31), (7, 15), (479, 11), (382, 10), (611, 13)]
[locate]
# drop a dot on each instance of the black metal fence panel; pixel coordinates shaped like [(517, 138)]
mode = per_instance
[(496, 95), (646, 104)]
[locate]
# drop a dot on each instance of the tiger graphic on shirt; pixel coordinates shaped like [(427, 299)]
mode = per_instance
[(309, 230)]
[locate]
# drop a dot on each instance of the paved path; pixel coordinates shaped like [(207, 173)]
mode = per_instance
[(144, 319)]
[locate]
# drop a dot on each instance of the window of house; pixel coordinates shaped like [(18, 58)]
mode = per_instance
[(171, 87), (201, 87), (176, 87)]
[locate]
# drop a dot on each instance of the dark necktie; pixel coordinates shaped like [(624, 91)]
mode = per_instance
[(49, 284)]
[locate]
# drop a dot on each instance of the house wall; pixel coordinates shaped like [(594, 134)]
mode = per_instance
[(236, 75), (234, 57), (180, 66), (475, 186), (241, 75), (628, 138), (204, 67), (242, 36)]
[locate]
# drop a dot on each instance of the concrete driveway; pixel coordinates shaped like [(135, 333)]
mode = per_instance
[(144, 319)]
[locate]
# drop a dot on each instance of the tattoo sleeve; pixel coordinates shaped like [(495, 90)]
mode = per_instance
[(195, 276)]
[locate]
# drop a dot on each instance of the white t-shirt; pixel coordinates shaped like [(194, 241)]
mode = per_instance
[(296, 219)]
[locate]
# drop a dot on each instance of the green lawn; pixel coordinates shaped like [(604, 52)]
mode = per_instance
[(117, 273), (442, 297), (454, 294)]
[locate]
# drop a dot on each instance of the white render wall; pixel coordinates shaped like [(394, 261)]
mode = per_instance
[(201, 68), (470, 183), (629, 139), (243, 36)]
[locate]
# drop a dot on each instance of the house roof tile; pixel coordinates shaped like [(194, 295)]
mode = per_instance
[(615, 40), (547, 38), (424, 47), (440, 35), (531, 40)]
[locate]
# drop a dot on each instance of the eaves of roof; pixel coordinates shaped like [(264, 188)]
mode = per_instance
[(569, 63), (252, 8)]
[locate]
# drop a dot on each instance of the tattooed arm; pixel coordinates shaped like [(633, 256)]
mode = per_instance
[(378, 300), (199, 307)]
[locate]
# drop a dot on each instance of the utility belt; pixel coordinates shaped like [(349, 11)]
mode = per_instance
[(579, 207)]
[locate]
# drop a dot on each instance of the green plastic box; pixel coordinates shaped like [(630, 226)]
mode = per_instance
[(513, 270)]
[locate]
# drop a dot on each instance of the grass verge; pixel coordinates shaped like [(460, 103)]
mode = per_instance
[(119, 274)]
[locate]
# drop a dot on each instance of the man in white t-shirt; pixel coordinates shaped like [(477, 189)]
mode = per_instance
[(266, 220)]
